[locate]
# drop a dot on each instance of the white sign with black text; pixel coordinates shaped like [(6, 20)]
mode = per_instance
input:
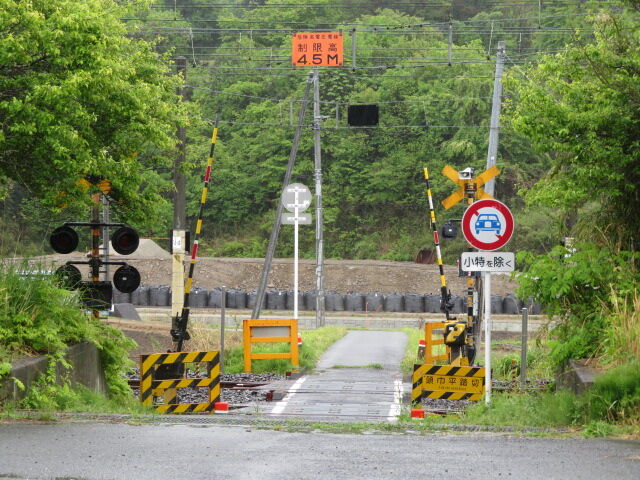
[(487, 262)]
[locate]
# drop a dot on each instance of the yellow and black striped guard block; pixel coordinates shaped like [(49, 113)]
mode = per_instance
[(448, 382), (150, 388)]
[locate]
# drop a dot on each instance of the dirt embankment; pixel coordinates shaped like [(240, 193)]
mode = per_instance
[(341, 276)]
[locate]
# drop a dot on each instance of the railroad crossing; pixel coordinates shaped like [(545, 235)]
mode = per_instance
[(357, 378)]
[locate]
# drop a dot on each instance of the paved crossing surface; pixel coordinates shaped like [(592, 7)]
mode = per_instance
[(358, 378)]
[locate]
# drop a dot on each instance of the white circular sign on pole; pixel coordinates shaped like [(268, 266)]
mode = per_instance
[(296, 195), (487, 224)]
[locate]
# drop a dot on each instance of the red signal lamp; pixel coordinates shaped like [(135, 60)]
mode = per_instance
[(64, 239), (126, 279), (125, 240)]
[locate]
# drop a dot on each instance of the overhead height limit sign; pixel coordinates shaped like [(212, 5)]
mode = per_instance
[(317, 49)]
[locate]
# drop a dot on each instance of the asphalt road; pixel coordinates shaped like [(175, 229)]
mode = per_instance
[(90, 451), (362, 348)]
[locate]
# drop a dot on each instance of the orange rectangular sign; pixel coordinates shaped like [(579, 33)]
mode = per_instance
[(317, 49)]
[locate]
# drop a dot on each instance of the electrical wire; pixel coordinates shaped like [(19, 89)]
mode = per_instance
[(222, 92), (362, 5), (310, 126)]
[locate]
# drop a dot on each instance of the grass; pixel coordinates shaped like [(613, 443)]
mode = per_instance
[(47, 398), (375, 366), (623, 331), (411, 350)]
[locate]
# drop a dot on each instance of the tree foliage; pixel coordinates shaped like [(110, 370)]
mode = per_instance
[(581, 108), (78, 97)]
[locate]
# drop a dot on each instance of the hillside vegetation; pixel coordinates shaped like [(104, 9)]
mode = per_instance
[(91, 94)]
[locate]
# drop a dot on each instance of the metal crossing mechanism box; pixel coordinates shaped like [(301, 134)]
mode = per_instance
[(447, 382), (150, 388)]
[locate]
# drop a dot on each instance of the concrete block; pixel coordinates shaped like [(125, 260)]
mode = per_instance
[(86, 370), (578, 376), (126, 311)]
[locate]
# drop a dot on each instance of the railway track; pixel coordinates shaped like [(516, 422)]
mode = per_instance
[(335, 399)]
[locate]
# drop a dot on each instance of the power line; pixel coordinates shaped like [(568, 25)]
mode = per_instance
[(288, 31), (222, 92), (300, 73), (383, 127), (364, 5)]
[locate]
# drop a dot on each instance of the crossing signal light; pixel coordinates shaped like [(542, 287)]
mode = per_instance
[(96, 295), (69, 275), (125, 240), (449, 230), (64, 239), (362, 115), (126, 279)]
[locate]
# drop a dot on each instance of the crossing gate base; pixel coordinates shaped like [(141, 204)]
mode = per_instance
[(151, 389), (447, 382)]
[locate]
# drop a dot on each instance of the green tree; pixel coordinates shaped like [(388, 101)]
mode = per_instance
[(581, 108), (78, 96)]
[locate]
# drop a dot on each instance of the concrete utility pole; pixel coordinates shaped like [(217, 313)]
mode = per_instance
[(494, 129), (318, 178), (179, 206), (492, 154), (273, 239)]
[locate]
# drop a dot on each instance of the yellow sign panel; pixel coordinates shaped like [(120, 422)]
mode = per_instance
[(453, 383), (317, 49), (448, 382)]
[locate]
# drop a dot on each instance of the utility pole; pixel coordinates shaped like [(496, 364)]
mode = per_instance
[(273, 239), (494, 128), (179, 205), (484, 289), (317, 119)]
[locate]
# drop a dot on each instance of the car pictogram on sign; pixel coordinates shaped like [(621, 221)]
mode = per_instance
[(488, 223)]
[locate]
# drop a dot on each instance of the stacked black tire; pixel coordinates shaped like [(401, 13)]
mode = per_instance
[(160, 296)]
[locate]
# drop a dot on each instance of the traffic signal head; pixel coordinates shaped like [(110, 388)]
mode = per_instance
[(362, 115), (64, 239), (126, 279), (125, 240)]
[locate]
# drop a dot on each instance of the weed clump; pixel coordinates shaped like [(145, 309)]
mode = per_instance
[(38, 317)]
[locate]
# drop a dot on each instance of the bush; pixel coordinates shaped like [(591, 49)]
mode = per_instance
[(615, 395), (37, 317), (584, 291)]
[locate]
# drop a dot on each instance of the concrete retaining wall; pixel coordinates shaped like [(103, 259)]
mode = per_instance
[(509, 324), (86, 370)]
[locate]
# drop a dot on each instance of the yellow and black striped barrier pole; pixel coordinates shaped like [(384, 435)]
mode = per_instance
[(179, 331), (444, 306)]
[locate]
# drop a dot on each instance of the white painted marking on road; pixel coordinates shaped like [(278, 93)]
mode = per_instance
[(281, 405), (396, 406)]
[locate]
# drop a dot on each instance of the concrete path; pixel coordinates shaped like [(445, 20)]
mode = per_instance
[(357, 378)]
